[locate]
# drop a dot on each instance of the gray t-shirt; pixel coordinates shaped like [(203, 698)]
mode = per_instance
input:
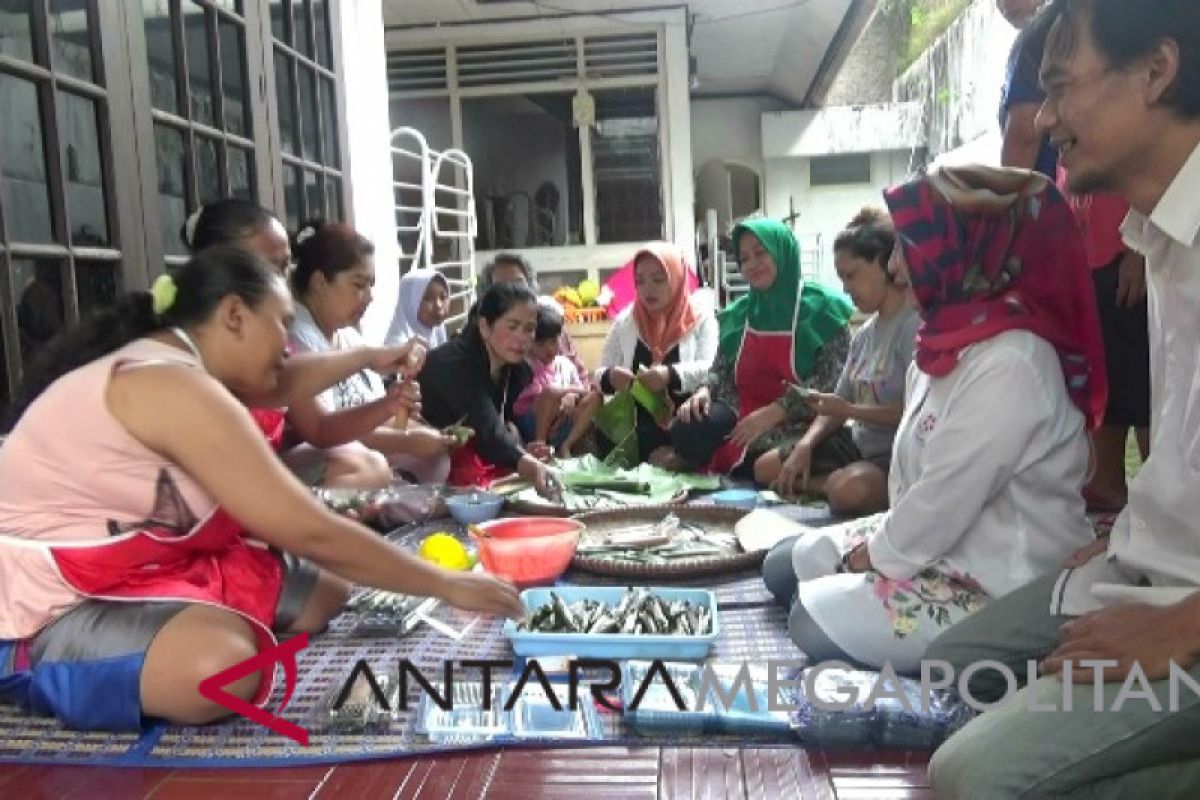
[(874, 374), (358, 389)]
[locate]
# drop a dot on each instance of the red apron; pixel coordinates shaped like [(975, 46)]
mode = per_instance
[(213, 563), (467, 468), (764, 369)]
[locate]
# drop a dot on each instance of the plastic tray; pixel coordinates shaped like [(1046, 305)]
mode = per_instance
[(613, 645)]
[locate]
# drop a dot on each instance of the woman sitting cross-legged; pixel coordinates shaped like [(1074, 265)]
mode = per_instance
[(665, 340), (332, 283), (785, 336), (991, 452), (150, 537), (475, 380), (870, 392)]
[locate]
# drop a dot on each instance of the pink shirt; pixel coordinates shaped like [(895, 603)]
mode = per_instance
[(560, 373), (70, 472), (1099, 217)]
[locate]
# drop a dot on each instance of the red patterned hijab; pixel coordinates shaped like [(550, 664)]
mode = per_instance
[(991, 250)]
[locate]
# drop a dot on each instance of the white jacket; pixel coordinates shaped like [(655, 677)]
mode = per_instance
[(697, 349)]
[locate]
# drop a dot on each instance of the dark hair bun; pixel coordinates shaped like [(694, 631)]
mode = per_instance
[(871, 215)]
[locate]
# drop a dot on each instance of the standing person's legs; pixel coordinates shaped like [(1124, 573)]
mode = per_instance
[(1127, 360)]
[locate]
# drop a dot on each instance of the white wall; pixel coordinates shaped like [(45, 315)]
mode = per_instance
[(960, 77), (842, 129), (368, 130), (726, 130), (729, 129), (825, 210)]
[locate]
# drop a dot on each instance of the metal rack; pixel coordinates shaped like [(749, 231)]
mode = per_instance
[(435, 213)]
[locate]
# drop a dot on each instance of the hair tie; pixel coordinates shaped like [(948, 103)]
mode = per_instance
[(163, 292), (305, 233), (189, 226)]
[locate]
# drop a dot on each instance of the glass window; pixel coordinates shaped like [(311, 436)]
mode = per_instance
[(241, 172), (333, 199), (329, 138), (293, 184), (626, 168), (320, 10), (314, 198), (97, 284), (78, 133), (308, 113), (840, 169), (160, 52), (301, 33), (172, 188), (208, 170), (278, 24), (23, 161), (233, 80), (41, 313), (16, 29), (528, 180), (284, 98), (69, 38), (195, 34)]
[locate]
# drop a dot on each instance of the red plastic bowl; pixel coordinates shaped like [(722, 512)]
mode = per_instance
[(529, 551)]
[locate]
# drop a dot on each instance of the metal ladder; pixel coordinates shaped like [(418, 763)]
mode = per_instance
[(436, 222)]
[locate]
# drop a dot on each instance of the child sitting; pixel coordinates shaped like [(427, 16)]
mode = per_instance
[(557, 407)]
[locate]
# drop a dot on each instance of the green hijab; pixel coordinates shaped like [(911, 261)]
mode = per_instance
[(823, 312)]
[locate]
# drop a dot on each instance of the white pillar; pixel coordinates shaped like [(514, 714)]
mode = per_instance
[(368, 131), (678, 152)]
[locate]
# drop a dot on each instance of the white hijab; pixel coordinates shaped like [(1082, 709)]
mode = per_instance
[(405, 322)]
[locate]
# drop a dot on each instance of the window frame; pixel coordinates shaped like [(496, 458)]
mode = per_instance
[(125, 124), (455, 94)]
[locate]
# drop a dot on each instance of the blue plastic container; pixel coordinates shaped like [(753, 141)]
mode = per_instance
[(474, 507), (739, 498), (614, 645)]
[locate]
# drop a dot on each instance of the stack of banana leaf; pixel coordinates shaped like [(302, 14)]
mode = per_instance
[(638, 612)]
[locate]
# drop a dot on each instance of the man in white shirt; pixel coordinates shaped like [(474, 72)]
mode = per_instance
[(1122, 79)]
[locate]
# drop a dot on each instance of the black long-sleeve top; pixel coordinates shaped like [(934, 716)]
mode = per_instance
[(456, 382)]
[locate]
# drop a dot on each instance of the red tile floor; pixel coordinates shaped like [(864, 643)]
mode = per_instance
[(613, 773)]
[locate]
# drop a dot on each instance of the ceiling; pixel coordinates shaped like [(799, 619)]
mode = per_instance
[(783, 48)]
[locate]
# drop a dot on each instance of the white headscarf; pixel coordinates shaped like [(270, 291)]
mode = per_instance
[(406, 322)]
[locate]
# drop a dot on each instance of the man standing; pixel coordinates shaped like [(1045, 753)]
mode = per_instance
[(1023, 144), (1122, 81)]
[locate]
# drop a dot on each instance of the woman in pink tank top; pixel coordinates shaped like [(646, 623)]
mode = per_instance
[(149, 537)]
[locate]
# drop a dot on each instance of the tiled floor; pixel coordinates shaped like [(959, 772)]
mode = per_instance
[(613, 773)]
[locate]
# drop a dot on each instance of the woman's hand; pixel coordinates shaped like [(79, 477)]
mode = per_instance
[(656, 379), (620, 378), (404, 395), (756, 423), (859, 559), (796, 468), (399, 358), (540, 476), (479, 591), (428, 443), (568, 402), (697, 406), (828, 405), (539, 451)]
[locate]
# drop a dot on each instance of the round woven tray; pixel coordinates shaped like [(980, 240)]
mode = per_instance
[(545, 508), (711, 518)]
